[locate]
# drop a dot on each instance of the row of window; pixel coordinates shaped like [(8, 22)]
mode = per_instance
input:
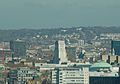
[(25, 75)]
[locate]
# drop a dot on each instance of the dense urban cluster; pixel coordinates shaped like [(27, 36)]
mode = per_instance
[(60, 56)]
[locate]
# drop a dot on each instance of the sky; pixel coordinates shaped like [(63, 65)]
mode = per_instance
[(58, 13)]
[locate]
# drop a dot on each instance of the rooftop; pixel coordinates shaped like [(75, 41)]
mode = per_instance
[(101, 64)]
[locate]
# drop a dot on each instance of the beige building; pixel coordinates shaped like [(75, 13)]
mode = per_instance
[(60, 55), (70, 75), (110, 59)]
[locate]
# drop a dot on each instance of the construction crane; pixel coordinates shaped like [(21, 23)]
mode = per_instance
[(3, 58)]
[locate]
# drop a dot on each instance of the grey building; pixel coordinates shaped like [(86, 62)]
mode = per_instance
[(18, 48), (115, 47)]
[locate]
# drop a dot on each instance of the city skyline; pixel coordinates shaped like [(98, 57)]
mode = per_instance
[(59, 42), (42, 58)]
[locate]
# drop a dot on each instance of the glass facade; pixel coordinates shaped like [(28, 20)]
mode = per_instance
[(104, 80), (115, 47), (18, 48)]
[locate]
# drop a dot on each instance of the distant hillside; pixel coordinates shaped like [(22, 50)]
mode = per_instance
[(86, 32)]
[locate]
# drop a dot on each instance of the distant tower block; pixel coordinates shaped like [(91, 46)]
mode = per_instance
[(18, 47), (115, 47), (60, 55)]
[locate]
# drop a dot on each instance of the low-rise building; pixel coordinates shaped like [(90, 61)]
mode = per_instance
[(104, 73), (70, 75), (24, 74)]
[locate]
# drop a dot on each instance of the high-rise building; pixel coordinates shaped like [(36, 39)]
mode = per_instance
[(82, 54), (115, 47), (18, 48), (60, 55)]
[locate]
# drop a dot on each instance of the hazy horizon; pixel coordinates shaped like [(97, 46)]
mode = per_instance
[(18, 14)]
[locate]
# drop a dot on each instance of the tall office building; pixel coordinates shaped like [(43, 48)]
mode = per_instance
[(60, 55), (18, 48), (115, 47), (82, 54)]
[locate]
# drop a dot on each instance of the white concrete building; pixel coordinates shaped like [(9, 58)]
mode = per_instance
[(60, 55), (70, 75)]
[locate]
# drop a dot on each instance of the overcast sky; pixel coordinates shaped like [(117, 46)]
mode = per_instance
[(59, 13)]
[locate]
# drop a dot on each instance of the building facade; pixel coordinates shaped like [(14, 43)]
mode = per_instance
[(104, 73), (24, 74), (70, 76), (18, 48), (115, 47), (104, 80), (60, 55)]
